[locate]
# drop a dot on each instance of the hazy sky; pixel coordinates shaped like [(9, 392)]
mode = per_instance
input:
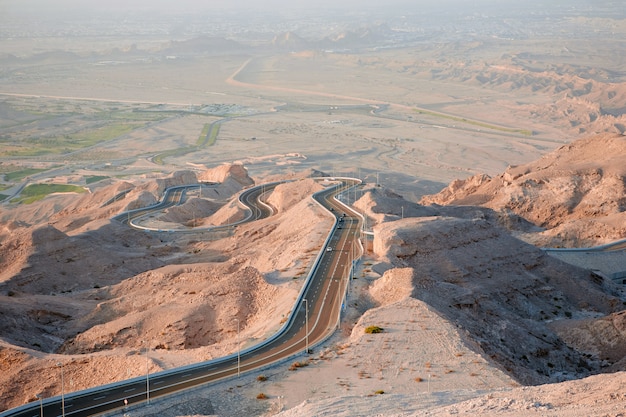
[(182, 5), (50, 12)]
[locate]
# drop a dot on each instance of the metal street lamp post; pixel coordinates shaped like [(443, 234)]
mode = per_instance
[(306, 321), (40, 398), (148, 372), (238, 351), (62, 390)]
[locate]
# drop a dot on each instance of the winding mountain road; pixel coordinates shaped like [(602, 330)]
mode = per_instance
[(314, 318)]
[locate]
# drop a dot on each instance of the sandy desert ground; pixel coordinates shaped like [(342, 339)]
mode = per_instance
[(484, 146)]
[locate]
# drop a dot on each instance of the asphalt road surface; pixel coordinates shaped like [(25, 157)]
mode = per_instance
[(315, 318)]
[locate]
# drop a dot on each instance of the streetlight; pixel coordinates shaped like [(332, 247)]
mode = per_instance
[(352, 258), (147, 372), (40, 398), (306, 321), (59, 364), (238, 351)]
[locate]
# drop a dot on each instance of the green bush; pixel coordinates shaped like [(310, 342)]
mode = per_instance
[(373, 329)]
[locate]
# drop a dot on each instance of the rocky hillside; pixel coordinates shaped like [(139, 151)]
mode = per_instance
[(540, 319), (576, 194), (98, 291), (501, 291)]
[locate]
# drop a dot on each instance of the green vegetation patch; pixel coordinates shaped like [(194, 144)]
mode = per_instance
[(373, 329), (36, 192), (203, 134), (71, 142), (208, 136), (134, 115), (524, 132), (22, 173), (95, 178), (160, 158), (215, 130)]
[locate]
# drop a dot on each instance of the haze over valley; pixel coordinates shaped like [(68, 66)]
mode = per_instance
[(489, 136)]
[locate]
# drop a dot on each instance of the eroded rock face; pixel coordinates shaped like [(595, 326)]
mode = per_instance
[(143, 199), (177, 178), (500, 290), (395, 285), (286, 195), (178, 306), (584, 180), (603, 337), (236, 172)]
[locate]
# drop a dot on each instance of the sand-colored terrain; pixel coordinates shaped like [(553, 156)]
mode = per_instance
[(479, 141), (466, 307), (577, 201)]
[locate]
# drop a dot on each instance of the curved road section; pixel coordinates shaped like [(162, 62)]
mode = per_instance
[(250, 199), (314, 318)]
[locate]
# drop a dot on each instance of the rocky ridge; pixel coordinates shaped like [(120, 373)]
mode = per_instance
[(576, 194)]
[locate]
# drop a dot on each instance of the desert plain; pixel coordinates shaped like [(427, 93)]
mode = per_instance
[(484, 135)]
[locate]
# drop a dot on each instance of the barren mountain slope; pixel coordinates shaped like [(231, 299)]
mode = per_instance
[(176, 307), (96, 297), (466, 308), (585, 99), (592, 396), (597, 395), (501, 291), (577, 192), (296, 234)]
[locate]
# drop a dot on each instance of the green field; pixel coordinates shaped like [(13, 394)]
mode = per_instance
[(63, 144), (2, 188), (133, 115), (22, 173), (524, 132), (211, 130), (95, 178), (36, 192), (207, 139), (160, 158)]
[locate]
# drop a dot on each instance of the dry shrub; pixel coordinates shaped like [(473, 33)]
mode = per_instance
[(297, 365), (373, 329)]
